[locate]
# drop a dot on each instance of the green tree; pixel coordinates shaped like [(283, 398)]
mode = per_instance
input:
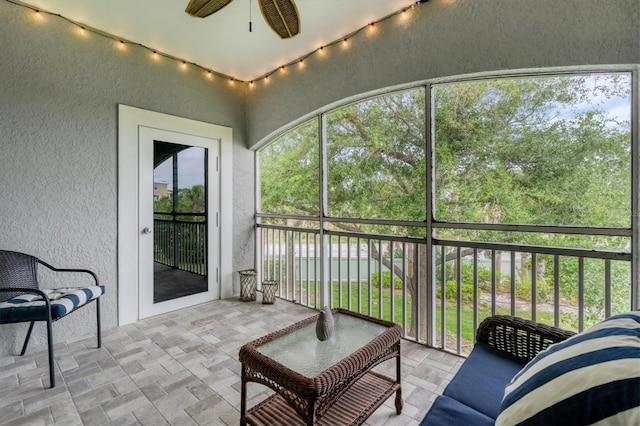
[(290, 173), (190, 238), (190, 200), (535, 150)]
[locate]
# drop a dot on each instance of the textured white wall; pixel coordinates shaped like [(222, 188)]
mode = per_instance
[(58, 143), (447, 38)]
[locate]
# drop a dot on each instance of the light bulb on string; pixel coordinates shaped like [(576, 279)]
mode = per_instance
[(37, 16), (344, 42)]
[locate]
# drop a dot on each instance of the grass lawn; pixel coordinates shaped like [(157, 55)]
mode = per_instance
[(369, 304)]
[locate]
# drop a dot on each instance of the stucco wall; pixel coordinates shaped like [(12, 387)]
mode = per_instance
[(59, 93), (446, 38)]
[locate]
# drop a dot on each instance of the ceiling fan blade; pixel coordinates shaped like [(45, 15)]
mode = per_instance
[(204, 8), (282, 16)]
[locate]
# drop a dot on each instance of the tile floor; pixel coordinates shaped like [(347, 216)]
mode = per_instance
[(180, 368)]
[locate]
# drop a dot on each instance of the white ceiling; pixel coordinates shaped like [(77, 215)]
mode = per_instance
[(222, 42)]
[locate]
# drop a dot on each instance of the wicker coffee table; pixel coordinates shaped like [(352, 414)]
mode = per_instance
[(328, 382)]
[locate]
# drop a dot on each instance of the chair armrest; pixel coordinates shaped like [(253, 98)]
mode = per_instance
[(517, 337), (86, 271)]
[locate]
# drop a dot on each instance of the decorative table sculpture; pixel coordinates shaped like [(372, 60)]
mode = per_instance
[(324, 325)]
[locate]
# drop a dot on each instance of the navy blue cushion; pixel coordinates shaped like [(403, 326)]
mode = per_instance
[(31, 306), (449, 412), (480, 381)]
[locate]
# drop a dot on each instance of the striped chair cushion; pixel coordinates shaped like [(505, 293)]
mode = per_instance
[(590, 378), (31, 307)]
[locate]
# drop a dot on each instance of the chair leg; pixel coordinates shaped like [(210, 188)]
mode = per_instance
[(52, 376), (26, 340), (98, 322)]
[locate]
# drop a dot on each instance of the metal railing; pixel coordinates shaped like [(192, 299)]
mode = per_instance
[(440, 298), (181, 244)]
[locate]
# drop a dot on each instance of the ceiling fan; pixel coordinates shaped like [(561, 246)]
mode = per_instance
[(281, 15)]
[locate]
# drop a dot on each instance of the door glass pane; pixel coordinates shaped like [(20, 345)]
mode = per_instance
[(180, 221)]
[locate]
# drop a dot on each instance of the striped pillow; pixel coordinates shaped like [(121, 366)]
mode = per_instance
[(592, 377)]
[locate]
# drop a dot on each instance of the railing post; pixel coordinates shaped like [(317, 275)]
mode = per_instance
[(430, 285), (635, 190), (324, 238), (174, 226)]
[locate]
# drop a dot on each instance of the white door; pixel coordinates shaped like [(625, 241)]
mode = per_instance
[(178, 223)]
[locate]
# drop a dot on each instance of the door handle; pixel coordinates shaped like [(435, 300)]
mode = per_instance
[(146, 230)]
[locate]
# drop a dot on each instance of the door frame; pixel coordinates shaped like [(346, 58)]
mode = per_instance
[(130, 119)]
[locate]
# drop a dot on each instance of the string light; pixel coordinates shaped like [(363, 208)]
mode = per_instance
[(121, 45), (404, 16), (37, 15)]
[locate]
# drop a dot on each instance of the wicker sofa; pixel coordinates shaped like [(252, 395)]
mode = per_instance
[(506, 345)]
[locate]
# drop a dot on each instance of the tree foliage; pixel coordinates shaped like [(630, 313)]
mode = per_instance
[(189, 200), (376, 158), (532, 151), (290, 173), (552, 150)]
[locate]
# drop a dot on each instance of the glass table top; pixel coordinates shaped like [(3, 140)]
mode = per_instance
[(301, 351)]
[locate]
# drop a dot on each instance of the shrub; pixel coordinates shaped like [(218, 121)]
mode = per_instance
[(451, 291), (386, 280)]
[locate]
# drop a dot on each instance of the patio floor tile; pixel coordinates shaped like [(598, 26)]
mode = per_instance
[(181, 368)]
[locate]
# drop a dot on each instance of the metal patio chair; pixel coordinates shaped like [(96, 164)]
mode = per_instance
[(22, 299)]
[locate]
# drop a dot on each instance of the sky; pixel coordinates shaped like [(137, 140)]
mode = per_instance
[(190, 169)]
